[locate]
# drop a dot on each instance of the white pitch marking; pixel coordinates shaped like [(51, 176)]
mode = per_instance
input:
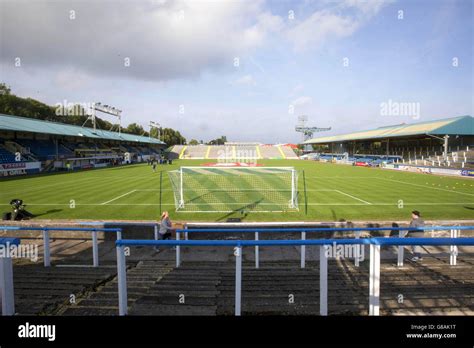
[(348, 195), (119, 197), (434, 188)]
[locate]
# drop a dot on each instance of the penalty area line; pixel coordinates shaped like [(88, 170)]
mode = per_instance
[(348, 195), (125, 194)]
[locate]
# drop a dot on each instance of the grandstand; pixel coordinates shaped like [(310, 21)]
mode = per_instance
[(214, 151), (233, 151), (50, 146), (441, 143)]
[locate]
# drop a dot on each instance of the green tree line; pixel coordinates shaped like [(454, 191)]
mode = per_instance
[(11, 104)]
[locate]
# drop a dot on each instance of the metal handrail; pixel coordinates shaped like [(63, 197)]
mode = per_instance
[(46, 238), (374, 243), (454, 230), (323, 229)]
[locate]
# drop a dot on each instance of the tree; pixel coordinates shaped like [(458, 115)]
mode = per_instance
[(11, 104), (4, 89), (193, 142), (172, 137), (219, 141), (134, 128)]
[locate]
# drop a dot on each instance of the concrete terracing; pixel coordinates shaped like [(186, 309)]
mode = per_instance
[(237, 151), (204, 284)]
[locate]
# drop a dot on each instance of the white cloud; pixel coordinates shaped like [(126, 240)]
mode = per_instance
[(71, 79), (246, 80), (319, 27), (333, 23), (301, 101), (162, 39), (367, 8), (296, 90)]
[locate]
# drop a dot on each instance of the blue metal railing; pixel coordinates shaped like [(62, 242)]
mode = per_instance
[(46, 238), (323, 229), (374, 243), (274, 242), (454, 230), (7, 277)]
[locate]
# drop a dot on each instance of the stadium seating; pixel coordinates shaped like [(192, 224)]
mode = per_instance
[(42, 149), (215, 150), (455, 160), (176, 151), (288, 152), (6, 156), (229, 151), (195, 151), (270, 151)]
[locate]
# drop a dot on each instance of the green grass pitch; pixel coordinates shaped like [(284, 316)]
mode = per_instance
[(334, 192)]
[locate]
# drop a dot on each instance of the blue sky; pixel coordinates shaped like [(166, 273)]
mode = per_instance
[(182, 57)]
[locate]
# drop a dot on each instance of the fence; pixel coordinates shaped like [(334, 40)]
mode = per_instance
[(6, 277), (6, 272), (46, 239), (374, 282), (455, 232)]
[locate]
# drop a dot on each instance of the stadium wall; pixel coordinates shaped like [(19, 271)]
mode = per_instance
[(20, 168), (431, 170)]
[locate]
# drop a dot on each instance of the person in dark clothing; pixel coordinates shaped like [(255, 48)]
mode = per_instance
[(416, 222)]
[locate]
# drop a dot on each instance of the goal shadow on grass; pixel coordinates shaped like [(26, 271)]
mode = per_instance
[(241, 210)]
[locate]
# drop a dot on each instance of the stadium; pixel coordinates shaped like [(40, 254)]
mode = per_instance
[(112, 211)]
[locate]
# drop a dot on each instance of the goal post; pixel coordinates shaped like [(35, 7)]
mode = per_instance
[(181, 194), (234, 189)]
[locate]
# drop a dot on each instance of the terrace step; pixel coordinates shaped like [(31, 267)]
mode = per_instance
[(155, 287)]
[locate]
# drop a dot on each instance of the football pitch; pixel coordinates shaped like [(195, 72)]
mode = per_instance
[(333, 193)]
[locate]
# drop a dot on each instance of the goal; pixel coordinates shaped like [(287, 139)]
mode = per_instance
[(234, 189)]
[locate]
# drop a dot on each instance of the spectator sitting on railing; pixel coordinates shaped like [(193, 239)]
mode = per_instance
[(416, 222), (166, 228)]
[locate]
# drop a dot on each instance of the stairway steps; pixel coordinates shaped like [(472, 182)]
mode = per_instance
[(179, 310), (153, 300), (87, 311)]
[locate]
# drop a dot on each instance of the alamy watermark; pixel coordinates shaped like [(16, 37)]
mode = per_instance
[(344, 251), (395, 108), (66, 108), (234, 154), (22, 251)]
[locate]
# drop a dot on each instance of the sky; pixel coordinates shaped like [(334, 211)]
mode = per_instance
[(246, 69)]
